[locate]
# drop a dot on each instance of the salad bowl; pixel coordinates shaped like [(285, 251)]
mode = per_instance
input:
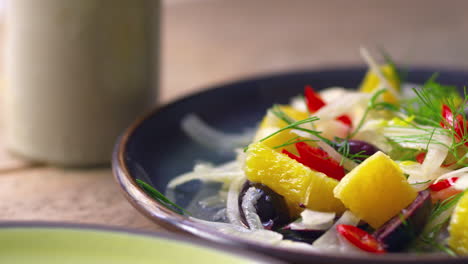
[(155, 149)]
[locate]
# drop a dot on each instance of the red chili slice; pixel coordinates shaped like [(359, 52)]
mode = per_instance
[(345, 120), (457, 124), (444, 184), (292, 156), (313, 100), (306, 150), (420, 157), (314, 103), (318, 160), (360, 239)]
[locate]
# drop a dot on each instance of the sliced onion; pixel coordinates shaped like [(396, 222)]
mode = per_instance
[(249, 201)]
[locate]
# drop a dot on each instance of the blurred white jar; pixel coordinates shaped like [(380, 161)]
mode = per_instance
[(77, 73)]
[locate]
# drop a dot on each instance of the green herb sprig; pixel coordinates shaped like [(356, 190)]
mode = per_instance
[(292, 124), (158, 196)]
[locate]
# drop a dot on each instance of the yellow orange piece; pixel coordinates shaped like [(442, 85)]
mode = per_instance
[(376, 190), (271, 124), (371, 83), (297, 183), (458, 227)]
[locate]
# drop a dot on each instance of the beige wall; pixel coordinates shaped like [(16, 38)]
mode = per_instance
[(210, 41)]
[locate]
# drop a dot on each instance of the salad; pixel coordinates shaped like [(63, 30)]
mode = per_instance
[(380, 169)]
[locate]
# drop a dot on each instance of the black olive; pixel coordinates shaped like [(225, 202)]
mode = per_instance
[(271, 207), (360, 148), (403, 228)]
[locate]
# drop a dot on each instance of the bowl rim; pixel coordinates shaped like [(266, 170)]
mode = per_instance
[(161, 215), (179, 239)]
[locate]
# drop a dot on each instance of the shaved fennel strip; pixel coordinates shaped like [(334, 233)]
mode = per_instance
[(416, 176), (462, 183), (207, 172), (218, 200), (341, 106), (331, 94), (456, 173), (201, 132), (437, 145), (298, 245), (248, 206), (435, 157), (330, 240), (261, 236), (313, 220), (224, 177), (232, 203), (375, 68)]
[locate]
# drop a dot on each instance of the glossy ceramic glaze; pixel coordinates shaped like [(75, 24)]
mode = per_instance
[(64, 243), (155, 149)]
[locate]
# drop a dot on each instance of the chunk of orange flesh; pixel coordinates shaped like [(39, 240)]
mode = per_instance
[(371, 83), (271, 123), (298, 184), (458, 227), (376, 190)]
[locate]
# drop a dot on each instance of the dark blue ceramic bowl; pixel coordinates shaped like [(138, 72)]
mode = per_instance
[(155, 149)]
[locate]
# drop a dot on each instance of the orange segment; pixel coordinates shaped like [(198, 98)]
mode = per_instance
[(376, 190), (297, 183), (458, 227), (271, 124), (371, 82)]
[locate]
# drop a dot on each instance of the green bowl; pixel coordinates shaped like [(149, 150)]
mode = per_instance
[(68, 244)]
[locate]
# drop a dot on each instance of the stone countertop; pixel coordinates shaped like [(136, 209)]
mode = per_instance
[(206, 42)]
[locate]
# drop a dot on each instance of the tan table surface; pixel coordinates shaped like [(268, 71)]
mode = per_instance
[(206, 42)]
